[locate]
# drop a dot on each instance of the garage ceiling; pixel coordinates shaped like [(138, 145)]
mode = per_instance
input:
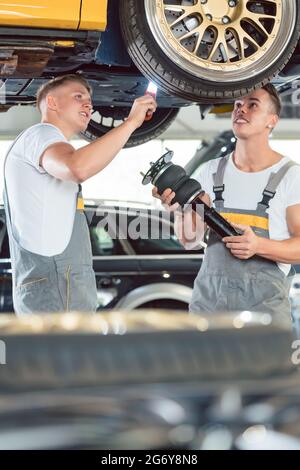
[(188, 125)]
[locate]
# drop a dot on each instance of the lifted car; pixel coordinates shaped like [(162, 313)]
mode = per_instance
[(196, 51)]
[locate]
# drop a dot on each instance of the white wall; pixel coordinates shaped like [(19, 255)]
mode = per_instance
[(121, 180)]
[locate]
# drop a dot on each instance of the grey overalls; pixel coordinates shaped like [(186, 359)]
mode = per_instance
[(53, 283), (225, 283)]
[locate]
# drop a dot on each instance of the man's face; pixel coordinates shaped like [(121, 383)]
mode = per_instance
[(253, 114), (73, 105)]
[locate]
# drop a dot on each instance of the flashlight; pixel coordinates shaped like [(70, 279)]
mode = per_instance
[(151, 90)]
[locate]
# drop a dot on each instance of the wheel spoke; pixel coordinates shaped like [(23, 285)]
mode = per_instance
[(188, 35), (239, 44), (256, 21), (186, 14), (265, 31), (199, 39), (187, 11), (214, 48), (200, 30), (178, 20), (226, 50), (190, 8), (242, 34), (256, 16)]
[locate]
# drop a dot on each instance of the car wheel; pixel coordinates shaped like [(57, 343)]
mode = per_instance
[(106, 119), (210, 50)]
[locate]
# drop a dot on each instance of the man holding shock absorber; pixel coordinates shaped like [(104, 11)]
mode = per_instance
[(258, 191)]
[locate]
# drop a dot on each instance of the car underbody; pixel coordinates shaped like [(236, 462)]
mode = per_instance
[(207, 52)]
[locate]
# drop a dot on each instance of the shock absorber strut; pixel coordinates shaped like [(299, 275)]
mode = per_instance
[(164, 174)]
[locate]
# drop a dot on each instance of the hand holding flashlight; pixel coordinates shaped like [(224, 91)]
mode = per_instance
[(141, 106), (152, 91)]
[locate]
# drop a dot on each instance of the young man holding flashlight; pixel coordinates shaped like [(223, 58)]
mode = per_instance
[(258, 191), (48, 233)]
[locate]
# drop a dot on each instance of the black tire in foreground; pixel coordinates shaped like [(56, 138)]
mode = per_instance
[(210, 51), (147, 347), (105, 119)]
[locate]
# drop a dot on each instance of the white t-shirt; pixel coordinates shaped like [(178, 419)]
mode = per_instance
[(42, 207), (243, 190)]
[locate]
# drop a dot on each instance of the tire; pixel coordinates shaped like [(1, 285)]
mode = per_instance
[(161, 57), (72, 350), (152, 129)]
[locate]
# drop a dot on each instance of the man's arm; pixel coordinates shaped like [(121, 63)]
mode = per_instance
[(62, 161), (189, 227), (283, 251)]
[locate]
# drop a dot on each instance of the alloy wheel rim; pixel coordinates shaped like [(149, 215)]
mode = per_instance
[(232, 39)]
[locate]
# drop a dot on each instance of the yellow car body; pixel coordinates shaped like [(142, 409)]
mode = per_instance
[(55, 14)]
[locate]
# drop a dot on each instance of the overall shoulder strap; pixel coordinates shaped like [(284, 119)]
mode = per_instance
[(273, 183), (218, 178)]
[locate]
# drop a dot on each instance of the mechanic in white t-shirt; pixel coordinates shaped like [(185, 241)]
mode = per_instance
[(48, 233), (258, 191)]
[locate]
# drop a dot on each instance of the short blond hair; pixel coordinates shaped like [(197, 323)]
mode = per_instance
[(57, 82)]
